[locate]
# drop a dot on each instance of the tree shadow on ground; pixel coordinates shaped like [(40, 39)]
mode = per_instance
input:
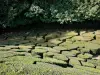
[(43, 26)]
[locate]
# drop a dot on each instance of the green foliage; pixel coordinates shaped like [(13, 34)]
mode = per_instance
[(85, 56), (34, 11), (18, 68), (15, 13), (3, 12), (62, 11)]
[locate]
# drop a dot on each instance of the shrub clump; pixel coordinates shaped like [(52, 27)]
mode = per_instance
[(62, 11)]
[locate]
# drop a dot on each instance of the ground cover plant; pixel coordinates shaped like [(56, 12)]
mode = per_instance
[(46, 57)]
